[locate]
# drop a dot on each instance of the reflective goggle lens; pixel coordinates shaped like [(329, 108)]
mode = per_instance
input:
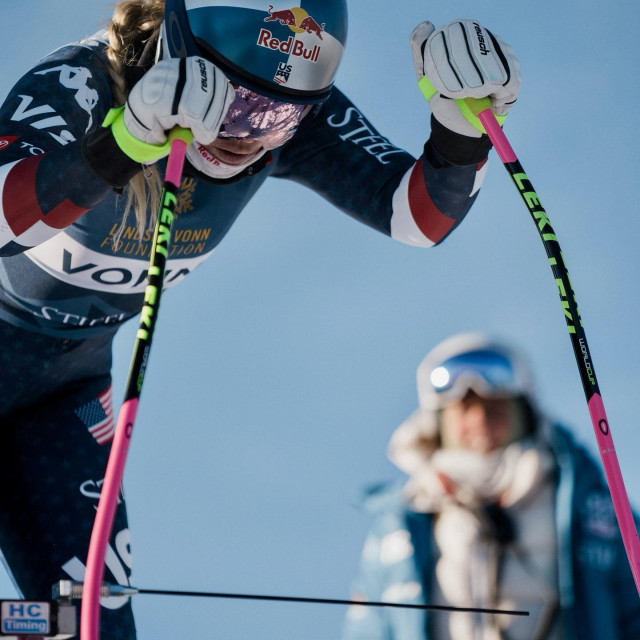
[(256, 117), (493, 370)]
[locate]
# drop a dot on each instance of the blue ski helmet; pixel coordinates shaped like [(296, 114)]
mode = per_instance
[(288, 50)]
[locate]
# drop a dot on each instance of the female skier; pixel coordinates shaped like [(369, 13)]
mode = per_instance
[(82, 148)]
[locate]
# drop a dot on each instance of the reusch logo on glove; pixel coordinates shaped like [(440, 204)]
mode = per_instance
[(481, 41), (203, 75)]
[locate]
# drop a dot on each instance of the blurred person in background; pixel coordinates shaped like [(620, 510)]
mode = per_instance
[(502, 509)]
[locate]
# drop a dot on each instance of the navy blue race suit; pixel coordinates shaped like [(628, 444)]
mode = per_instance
[(66, 287)]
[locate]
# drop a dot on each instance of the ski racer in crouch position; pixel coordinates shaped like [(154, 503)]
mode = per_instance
[(501, 509), (89, 122)]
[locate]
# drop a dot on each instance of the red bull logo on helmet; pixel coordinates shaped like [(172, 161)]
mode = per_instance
[(291, 46), (300, 22), (297, 19), (303, 40)]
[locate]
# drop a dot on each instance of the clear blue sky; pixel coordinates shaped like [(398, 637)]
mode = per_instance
[(282, 365)]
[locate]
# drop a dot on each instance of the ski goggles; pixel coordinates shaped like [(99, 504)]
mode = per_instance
[(488, 373), (253, 116)]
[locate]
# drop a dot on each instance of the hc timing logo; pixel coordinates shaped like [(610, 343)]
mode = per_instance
[(24, 618)]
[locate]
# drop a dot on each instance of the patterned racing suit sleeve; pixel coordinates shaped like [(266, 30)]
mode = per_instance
[(341, 156), (44, 183)]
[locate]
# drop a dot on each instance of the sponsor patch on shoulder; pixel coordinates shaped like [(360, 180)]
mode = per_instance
[(6, 141)]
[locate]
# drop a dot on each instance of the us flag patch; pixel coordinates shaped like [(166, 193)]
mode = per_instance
[(97, 415)]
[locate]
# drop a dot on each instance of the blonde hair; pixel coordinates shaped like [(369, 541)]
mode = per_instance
[(134, 24)]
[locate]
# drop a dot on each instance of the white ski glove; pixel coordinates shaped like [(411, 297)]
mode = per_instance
[(462, 59), (185, 92)]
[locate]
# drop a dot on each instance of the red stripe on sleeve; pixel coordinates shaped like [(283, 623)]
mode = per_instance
[(20, 203), (430, 220)]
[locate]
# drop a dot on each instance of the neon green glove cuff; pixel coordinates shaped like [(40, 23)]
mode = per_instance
[(469, 107), (137, 150)]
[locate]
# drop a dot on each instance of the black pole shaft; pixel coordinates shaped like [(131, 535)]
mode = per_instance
[(561, 275), (153, 291)]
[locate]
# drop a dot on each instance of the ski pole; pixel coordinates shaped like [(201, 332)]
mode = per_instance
[(90, 609), (482, 109)]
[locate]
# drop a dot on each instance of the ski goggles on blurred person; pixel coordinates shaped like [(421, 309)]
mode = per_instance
[(252, 116), (487, 373)]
